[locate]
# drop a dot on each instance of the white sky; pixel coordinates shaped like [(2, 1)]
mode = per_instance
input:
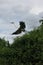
[(29, 11)]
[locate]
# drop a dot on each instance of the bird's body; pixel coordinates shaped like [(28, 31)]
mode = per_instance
[(17, 32), (20, 29)]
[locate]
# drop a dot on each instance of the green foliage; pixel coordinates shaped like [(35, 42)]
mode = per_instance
[(25, 50)]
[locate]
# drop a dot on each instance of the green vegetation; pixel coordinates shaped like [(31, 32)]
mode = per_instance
[(25, 50)]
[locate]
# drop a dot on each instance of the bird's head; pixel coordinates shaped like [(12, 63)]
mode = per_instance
[(12, 22), (22, 24)]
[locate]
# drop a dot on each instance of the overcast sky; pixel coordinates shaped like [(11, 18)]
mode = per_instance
[(29, 11)]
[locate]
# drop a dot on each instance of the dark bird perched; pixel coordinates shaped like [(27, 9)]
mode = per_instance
[(41, 21), (20, 29)]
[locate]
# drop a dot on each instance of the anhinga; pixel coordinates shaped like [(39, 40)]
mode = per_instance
[(20, 29)]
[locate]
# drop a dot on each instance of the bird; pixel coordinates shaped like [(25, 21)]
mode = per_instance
[(20, 29), (41, 21)]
